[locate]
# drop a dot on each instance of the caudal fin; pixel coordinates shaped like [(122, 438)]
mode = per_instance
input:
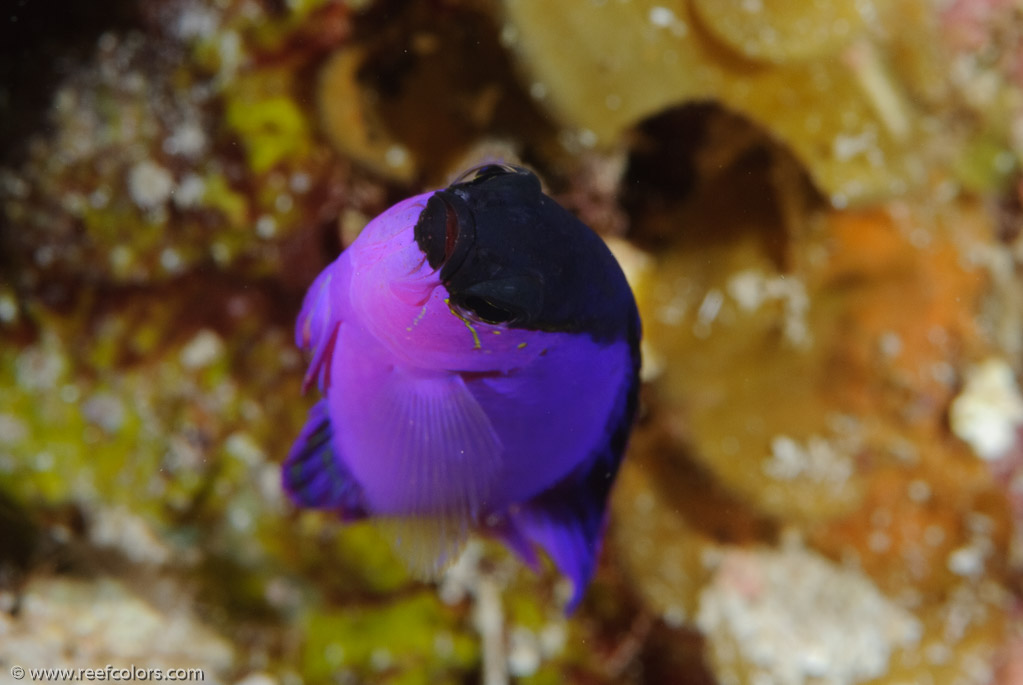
[(568, 522)]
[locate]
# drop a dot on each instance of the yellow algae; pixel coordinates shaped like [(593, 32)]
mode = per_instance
[(272, 129), (352, 124), (749, 396), (782, 30), (785, 378), (807, 361), (217, 194), (423, 91), (847, 120)]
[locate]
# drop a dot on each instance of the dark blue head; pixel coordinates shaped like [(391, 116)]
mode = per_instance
[(508, 253)]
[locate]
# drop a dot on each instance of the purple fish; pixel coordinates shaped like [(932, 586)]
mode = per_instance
[(478, 352)]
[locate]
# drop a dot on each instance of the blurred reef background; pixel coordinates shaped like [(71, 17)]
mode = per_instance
[(819, 205)]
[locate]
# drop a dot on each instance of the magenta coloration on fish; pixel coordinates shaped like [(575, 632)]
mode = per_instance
[(478, 352)]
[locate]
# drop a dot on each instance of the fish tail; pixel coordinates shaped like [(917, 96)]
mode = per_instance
[(570, 530), (568, 521)]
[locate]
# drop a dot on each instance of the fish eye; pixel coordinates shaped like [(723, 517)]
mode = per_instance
[(488, 311), (444, 231)]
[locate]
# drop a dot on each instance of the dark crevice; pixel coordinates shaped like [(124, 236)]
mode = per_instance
[(42, 41), (700, 176)]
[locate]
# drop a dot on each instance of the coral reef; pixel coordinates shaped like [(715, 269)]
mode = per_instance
[(818, 206)]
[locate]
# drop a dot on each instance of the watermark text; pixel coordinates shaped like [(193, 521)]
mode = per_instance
[(110, 672)]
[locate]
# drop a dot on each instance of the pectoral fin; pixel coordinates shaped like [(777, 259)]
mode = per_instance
[(427, 544), (437, 450), (435, 462)]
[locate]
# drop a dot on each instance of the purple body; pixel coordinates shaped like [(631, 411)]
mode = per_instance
[(433, 414)]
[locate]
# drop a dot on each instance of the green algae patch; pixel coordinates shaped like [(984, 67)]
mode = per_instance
[(271, 129), (986, 165), (371, 558), (412, 640), (219, 195), (170, 431)]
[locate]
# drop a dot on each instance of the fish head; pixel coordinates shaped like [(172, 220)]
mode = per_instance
[(510, 255), (475, 276), (397, 293), (485, 268)]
